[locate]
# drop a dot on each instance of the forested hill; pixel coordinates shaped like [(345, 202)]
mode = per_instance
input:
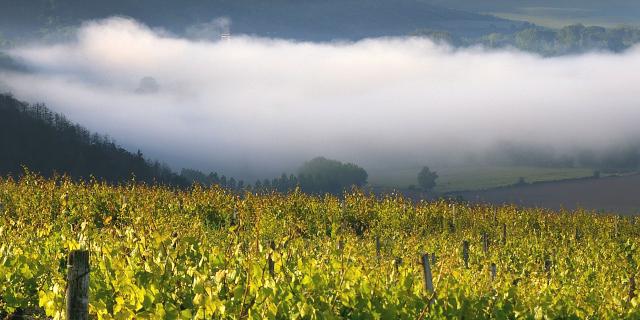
[(295, 19), (47, 143)]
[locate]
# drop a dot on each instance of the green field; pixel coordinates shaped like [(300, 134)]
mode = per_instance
[(545, 19), (476, 177)]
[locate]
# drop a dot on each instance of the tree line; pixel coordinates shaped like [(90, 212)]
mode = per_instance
[(317, 176), (546, 41), (616, 158)]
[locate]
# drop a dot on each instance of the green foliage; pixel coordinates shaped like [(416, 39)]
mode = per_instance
[(205, 253)]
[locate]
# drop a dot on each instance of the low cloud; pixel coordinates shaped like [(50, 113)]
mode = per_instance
[(210, 31), (254, 106)]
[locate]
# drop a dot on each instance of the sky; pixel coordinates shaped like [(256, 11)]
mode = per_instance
[(255, 107)]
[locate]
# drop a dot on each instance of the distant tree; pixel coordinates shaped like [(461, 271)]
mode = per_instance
[(539, 40), (223, 181), (194, 176), (213, 178), (427, 178), (266, 184), (148, 85), (438, 36), (293, 182), (283, 183)]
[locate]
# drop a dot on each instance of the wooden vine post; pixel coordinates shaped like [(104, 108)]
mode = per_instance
[(78, 285), (234, 218), (504, 233), (397, 262), (485, 243), (494, 271), (428, 278), (270, 262), (452, 226), (547, 268), (632, 288), (465, 253)]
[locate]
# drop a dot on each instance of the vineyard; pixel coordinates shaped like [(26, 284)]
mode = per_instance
[(206, 253)]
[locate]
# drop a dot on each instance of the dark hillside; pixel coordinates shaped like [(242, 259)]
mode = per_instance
[(294, 19), (48, 143)]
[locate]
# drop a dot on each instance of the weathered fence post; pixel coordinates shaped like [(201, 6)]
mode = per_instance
[(378, 247), (426, 268), (485, 243), (547, 268), (493, 271), (504, 233), (632, 288), (78, 285), (465, 253), (452, 226), (234, 218), (397, 263), (272, 245)]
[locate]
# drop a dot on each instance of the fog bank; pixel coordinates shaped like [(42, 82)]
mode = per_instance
[(255, 107)]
